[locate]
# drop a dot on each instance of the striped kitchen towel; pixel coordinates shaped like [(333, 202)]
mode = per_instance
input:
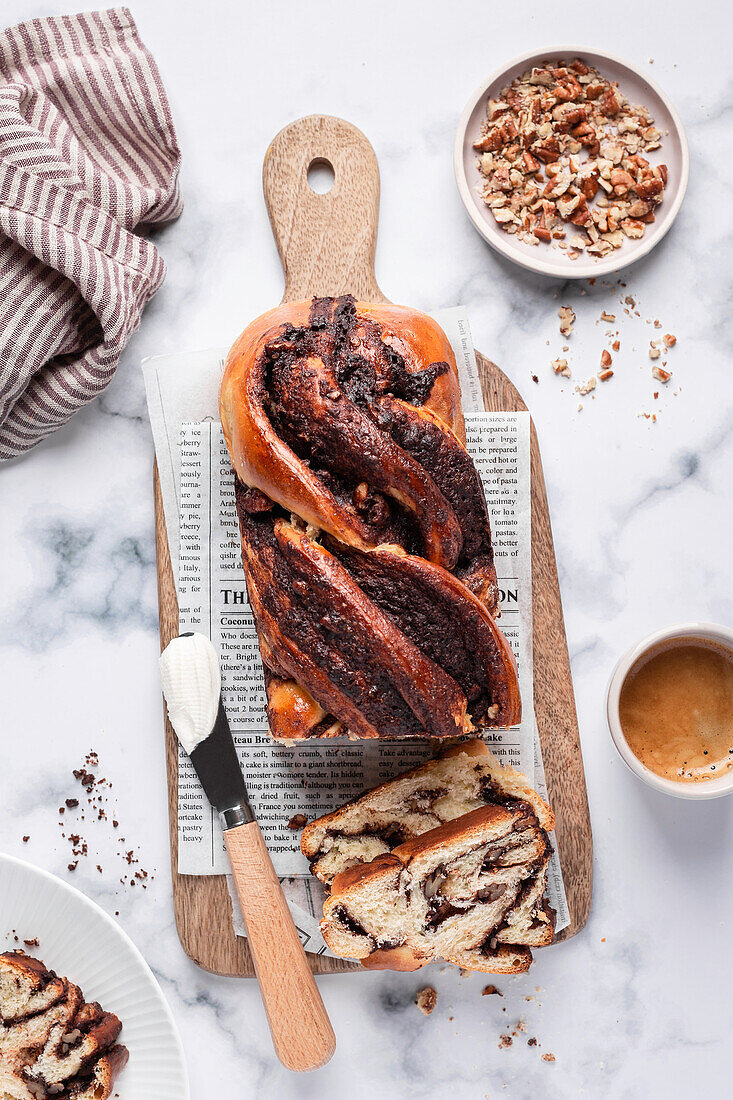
[(88, 154)]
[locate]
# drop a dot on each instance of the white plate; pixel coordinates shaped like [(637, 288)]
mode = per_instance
[(79, 941), (545, 259)]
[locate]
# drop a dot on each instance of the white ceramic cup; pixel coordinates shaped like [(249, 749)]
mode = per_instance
[(710, 632)]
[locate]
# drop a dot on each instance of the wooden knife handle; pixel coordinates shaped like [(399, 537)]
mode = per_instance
[(301, 1030), (326, 242)]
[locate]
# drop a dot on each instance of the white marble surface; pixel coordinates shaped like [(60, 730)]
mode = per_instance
[(639, 1004)]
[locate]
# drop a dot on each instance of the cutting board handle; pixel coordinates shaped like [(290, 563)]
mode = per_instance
[(326, 241)]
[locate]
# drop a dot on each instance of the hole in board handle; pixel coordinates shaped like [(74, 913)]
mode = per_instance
[(321, 175)]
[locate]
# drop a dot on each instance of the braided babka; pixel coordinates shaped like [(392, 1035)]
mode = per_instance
[(409, 840), (365, 533), (51, 1041)]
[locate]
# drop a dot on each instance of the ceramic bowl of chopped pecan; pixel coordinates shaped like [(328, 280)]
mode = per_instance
[(571, 163)]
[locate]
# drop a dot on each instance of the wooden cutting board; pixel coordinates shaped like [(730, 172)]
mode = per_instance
[(326, 244)]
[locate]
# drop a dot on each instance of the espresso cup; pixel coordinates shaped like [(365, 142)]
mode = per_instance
[(720, 636)]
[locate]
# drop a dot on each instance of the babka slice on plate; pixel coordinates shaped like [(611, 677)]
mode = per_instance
[(52, 1042), (406, 818)]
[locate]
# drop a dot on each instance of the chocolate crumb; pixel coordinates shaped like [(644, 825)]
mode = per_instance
[(31, 943), (297, 821), (532, 1042), (490, 990), (26, 839), (72, 803)]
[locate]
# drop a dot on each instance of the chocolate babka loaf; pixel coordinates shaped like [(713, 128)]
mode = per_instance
[(464, 779), (365, 533), (52, 1043), (459, 892)]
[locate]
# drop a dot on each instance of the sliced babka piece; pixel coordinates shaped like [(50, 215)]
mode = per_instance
[(447, 894), (52, 1042), (463, 778)]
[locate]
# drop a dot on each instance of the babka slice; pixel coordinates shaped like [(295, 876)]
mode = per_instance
[(52, 1042), (463, 778), (447, 894)]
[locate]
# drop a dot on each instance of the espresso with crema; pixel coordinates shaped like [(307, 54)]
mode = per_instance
[(676, 710)]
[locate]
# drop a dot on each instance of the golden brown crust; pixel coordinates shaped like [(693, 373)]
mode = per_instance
[(263, 461)]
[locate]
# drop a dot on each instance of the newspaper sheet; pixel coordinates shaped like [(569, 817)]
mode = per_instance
[(312, 779)]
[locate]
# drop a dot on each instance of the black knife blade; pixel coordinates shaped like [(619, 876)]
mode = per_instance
[(218, 769)]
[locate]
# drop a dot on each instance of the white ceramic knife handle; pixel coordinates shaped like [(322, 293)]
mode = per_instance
[(301, 1030)]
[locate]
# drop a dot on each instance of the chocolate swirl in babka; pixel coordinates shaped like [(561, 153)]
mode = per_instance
[(365, 532)]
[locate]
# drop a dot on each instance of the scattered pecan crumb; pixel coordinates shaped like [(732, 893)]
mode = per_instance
[(491, 991), (548, 1057), (567, 320), (670, 340), (297, 821), (505, 1041), (587, 387), (426, 1000), (660, 374), (616, 345), (560, 366), (654, 351), (606, 359), (604, 375), (608, 316)]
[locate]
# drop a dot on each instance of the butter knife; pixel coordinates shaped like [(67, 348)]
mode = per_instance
[(301, 1030)]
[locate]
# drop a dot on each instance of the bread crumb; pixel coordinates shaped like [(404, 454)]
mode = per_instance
[(426, 1000), (491, 991)]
